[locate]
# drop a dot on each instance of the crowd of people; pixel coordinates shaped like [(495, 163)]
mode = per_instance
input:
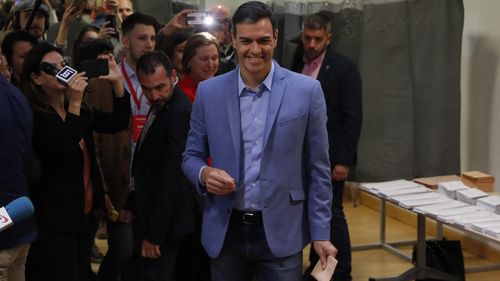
[(205, 158)]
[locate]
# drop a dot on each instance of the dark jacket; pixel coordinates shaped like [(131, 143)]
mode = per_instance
[(112, 150), (341, 83), (59, 195), (15, 154), (166, 202)]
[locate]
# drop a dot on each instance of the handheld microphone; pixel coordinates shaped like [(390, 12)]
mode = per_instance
[(63, 75), (15, 211)]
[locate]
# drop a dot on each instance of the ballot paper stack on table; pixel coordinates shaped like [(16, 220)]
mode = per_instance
[(392, 189), (490, 203), (493, 232), (482, 226), (454, 203), (470, 196), (450, 188), (441, 206)]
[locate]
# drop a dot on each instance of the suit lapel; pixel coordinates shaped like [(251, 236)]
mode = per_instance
[(233, 113), (277, 92), (326, 66)]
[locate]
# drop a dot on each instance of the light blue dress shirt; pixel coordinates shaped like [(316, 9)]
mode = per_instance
[(253, 111)]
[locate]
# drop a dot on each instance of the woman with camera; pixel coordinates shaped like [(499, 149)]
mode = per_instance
[(69, 190)]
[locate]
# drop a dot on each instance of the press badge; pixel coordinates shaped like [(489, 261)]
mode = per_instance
[(138, 122)]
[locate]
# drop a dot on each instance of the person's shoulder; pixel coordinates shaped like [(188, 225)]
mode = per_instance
[(340, 60), (294, 77), (180, 103)]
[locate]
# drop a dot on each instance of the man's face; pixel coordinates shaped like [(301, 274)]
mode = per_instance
[(20, 50), (37, 28), (254, 44), (315, 41), (125, 8), (139, 41), (158, 87)]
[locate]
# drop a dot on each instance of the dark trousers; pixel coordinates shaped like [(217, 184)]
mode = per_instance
[(62, 256), (339, 238), (246, 255), (120, 246)]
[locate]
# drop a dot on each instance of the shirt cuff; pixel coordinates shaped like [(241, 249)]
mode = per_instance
[(199, 176)]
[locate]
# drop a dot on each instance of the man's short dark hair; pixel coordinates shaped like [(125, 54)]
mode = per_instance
[(12, 38), (252, 12), (137, 18), (148, 63), (317, 21)]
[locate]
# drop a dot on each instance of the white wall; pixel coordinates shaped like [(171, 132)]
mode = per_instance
[(480, 85)]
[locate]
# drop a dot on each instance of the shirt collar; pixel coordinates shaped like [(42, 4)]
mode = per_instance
[(128, 69), (268, 81), (316, 61)]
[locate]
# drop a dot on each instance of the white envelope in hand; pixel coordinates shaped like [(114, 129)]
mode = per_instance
[(324, 275)]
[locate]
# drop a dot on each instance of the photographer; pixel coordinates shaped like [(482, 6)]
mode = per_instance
[(70, 188)]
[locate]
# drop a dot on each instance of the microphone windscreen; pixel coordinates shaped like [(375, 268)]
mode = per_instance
[(48, 68), (20, 209)]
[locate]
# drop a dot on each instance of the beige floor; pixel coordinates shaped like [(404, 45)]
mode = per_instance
[(364, 229)]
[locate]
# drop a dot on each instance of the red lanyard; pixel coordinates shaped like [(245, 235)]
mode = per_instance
[(137, 100)]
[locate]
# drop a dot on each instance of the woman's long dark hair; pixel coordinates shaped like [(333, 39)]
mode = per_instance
[(36, 95)]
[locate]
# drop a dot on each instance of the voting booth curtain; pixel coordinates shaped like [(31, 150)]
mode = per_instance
[(408, 53)]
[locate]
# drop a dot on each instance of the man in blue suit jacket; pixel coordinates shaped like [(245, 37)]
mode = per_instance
[(268, 191)]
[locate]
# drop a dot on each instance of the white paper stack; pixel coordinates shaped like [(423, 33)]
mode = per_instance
[(442, 206), (468, 219), (408, 204), (404, 191), (450, 188), (489, 203), (442, 214), (377, 186), (470, 195), (481, 226), (493, 232), (418, 196)]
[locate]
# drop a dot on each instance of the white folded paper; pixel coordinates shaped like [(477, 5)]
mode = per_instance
[(419, 196), (450, 188), (324, 275), (441, 206), (441, 214), (481, 226), (376, 186), (489, 203), (470, 195), (404, 191), (468, 219), (408, 204), (493, 231)]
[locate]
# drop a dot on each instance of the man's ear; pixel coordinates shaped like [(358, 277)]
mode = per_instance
[(125, 42), (174, 78), (330, 37), (275, 35)]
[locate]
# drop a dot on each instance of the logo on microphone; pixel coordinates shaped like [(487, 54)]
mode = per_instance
[(3, 219), (65, 74)]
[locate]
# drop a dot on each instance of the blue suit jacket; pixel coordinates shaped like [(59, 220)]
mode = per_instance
[(295, 170), (16, 128)]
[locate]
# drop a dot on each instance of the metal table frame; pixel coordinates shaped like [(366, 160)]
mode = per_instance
[(420, 271)]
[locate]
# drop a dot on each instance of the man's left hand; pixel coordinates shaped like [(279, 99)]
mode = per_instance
[(150, 250), (324, 248), (340, 172)]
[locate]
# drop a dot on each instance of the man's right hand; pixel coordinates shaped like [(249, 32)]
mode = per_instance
[(217, 181)]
